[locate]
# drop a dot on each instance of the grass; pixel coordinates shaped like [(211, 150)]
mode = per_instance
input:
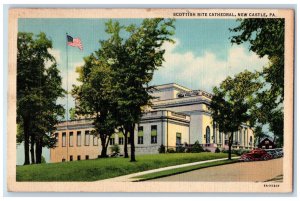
[(166, 173), (98, 169)]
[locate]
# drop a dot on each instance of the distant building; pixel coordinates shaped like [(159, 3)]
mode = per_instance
[(266, 144), (178, 116)]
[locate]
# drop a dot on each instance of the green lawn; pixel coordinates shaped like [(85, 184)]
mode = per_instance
[(97, 169), (166, 173)]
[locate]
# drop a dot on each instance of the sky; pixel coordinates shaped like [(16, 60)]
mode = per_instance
[(201, 57)]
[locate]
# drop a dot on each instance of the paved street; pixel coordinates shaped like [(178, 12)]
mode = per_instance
[(258, 171)]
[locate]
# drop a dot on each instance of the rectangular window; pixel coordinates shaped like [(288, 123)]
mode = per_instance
[(153, 134), (95, 141), (56, 139), (111, 141), (78, 158), (140, 140), (71, 158), (64, 139), (87, 157), (121, 140), (140, 135), (78, 138), (71, 139), (120, 137), (178, 138), (153, 139), (87, 138), (140, 131)]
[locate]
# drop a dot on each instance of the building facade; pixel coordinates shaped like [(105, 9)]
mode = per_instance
[(178, 116)]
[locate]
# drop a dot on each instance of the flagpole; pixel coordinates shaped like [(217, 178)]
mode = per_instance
[(67, 116)]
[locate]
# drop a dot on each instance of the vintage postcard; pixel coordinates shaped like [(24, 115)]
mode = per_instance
[(150, 100)]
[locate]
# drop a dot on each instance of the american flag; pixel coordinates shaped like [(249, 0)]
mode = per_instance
[(74, 42)]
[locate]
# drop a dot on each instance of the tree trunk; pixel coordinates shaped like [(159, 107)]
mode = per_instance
[(104, 147), (38, 151), (26, 141), (125, 144), (132, 147), (229, 146), (32, 143)]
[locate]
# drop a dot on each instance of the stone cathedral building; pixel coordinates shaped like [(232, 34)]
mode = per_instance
[(178, 116)]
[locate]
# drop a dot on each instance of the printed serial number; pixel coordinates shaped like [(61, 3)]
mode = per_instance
[(271, 185)]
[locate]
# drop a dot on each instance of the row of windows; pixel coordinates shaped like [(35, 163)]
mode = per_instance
[(78, 139), (87, 157), (121, 141), (140, 140), (95, 139), (140, 136)]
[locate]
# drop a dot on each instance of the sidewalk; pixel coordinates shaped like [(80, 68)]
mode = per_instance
[(129, 177)]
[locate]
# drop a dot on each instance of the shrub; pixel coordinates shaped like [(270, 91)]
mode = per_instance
[(217, 150), (180, 149), (207, 150), (238, 152), (115, 149), (242, 151), (162, 149), (196, 148), (43, 160), (171, 151), (224, 151)]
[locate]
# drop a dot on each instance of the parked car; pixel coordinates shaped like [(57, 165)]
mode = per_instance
[(256, 155), (273, 153), (279, 151)]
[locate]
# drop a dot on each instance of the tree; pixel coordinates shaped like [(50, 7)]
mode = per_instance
[(135, 62), (38, 88), (232, 101), (95, 97), (72, 113), (118, 74), (259, 134), (266, 38)]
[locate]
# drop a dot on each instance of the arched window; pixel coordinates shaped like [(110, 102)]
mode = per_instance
[(207, 135)]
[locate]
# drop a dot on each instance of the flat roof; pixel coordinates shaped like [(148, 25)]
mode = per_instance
[(169, 85)]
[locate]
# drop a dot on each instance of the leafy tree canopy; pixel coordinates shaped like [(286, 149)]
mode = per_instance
[(38, 88), (266, 38)]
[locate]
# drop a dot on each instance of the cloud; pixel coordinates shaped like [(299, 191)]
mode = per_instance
[(69, 77), (205, 71), (56, 54)]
